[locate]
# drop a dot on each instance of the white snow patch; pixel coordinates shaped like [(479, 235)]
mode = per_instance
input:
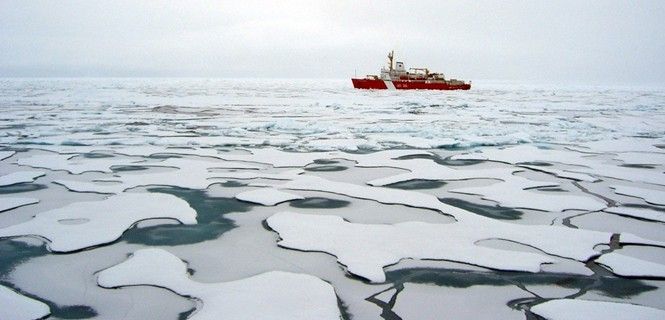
[(563, 309), (100, 222), (11, 203), (631, 267), (19, 177), (641, 158), (526, 153), (73, 164), (422, 302), (562, 241), (512, 193), (271, 295), (562, 173), (107, 187), (278, 158), (337, 144), (267, 196), (366, 248), (629, 238), (624, 145), (18, 307), (187, 173), (649, 195), (586, 164), (6, 154), (643, 213)]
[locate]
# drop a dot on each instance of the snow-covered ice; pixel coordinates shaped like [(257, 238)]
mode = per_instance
[(365, 249), (649, 195), (636, 212), (18, 307), (631, 267), (267, 196), (19, 177), (559, 181), (86, 224), (7, 203), (421, 301), (6, 154), (513, 193), (271, 295), (563, 309)]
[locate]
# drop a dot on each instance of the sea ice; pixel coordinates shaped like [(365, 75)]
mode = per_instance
[(527, 153), (14, 306), (85, 224), (563, 309), (11, 203), (562, 173), (105, 187), (278, 158), (636, 212), (642, 158), (267, 196), (423, 301), (430, 170), (587, 164), (73, 164), (366, 248), (270, 295), (186, 173), (631, 267), (626, 144), (512, 193), (19, 177), (579, 243), (649, 195), (6, 154)]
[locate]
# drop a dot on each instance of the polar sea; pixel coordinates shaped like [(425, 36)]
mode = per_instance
[(181, 198)]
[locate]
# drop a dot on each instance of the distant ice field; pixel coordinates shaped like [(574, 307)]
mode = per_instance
[(308, 199), (319, 114)]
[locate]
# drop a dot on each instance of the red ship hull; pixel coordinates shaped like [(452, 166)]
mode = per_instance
[(407, 85)]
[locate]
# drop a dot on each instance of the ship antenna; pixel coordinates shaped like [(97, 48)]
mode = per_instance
[(390, 59)]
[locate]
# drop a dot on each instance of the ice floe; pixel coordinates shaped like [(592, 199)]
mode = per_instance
[(185, 173), (423, 301), (527, 153), (15, 202), (579, 162), (18, 307), (271, 295), (278, 158), (73, 164), (512, 193), (267, 196), (649, 195), (365, 248), (85, 224), (624, 145), (430, 170), (563, 309), (6, 154), (547, 238), (642, 158), (19, 177), (631, 267), (637, 212)]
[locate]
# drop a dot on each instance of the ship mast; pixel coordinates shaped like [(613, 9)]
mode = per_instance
[(390, 59)]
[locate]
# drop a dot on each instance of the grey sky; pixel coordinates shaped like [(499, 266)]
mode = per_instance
[(585, 41)]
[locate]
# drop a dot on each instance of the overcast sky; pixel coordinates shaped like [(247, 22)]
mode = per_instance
[(591, 41)]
